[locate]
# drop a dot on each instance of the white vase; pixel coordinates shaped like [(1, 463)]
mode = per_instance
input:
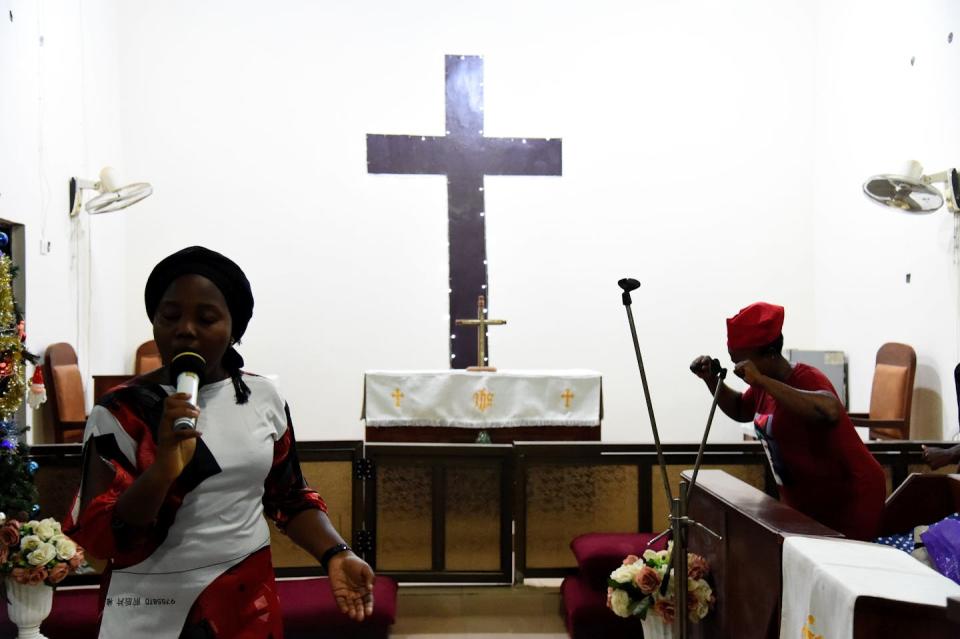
[(27, 607), (654, 628)]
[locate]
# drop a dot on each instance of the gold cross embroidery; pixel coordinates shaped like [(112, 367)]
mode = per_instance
[(397, 396), (567, 396), (807, 632), (483, 399)]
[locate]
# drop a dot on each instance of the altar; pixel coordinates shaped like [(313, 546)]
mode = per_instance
[(458, 406)]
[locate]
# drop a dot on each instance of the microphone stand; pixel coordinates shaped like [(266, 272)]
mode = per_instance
[(721, 375), (679, 521)]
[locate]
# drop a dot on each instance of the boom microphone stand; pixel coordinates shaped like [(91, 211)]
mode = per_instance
[(679, 522)]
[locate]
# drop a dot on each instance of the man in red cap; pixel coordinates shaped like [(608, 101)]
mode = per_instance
[(820, 464)]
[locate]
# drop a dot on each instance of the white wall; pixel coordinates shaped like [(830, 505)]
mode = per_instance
[(875, 111), (19, 123), (58, 79), (250, 123), (712, 150)]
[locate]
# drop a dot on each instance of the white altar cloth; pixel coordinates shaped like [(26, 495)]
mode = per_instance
[(822, 579), (482, 400)]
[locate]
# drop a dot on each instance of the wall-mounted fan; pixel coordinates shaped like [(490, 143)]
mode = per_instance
[(112, 197), (913, 192)]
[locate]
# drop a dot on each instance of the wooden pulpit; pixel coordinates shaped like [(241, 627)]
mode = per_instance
[(746, 563)]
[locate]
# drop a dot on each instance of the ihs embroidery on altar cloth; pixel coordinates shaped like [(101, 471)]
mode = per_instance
[(483, 399)]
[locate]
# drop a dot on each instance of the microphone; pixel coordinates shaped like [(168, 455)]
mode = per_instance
[(628, 284), (187, 369)]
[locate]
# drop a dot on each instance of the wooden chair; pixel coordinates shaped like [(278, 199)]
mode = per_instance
[(147, 358), (891, 396), (66, 408)]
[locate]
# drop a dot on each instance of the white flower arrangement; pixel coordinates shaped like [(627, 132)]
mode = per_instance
[(636, 587), (37, 552)]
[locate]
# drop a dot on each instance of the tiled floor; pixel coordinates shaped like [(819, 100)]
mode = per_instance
[(478, 613)]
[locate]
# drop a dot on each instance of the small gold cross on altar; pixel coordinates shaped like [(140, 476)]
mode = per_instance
[(481, 323), (397, 396), (567, 397)]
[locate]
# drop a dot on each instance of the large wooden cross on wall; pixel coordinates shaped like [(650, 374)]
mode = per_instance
[(465, 156)]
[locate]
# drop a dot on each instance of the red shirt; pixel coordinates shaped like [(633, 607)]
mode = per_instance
[(824, 471)]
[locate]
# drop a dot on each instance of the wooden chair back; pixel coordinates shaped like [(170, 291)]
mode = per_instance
[(147, 358), (891, 395), (66, 406)]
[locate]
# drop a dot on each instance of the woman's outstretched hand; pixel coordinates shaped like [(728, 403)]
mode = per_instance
[(351, 580)]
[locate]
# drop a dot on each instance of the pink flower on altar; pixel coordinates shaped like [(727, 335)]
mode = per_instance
[(37, 575), (77, 560), (19, 575), (630, 559), (10, 533), (4, 553), (697, 566), (58, 573), (666, 610), (647, 580)]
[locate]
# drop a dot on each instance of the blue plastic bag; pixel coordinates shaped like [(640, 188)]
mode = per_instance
[(942, 541)]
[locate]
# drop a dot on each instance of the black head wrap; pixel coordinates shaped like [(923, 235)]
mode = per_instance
[(226, 276)]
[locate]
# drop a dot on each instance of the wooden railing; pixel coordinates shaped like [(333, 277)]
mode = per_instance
[(461, 513)]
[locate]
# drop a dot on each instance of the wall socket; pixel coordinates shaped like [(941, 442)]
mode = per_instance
[(44, 246)]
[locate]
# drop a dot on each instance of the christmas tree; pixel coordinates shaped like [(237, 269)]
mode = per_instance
[(18, 496)]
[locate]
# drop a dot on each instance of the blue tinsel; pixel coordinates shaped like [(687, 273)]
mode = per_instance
[(9, 435)]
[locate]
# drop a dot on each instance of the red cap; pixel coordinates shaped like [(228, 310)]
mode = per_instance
[(756, 325)]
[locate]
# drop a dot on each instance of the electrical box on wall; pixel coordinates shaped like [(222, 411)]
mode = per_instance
[(833, 364)]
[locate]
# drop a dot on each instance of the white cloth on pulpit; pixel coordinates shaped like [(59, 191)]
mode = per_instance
[(466, 399), (822, 579)]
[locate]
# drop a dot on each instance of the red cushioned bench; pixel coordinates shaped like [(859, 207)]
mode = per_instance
[(584, 595), (308, 611)]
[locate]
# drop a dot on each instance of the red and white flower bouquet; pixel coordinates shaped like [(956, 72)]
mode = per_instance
[(634, 589)]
